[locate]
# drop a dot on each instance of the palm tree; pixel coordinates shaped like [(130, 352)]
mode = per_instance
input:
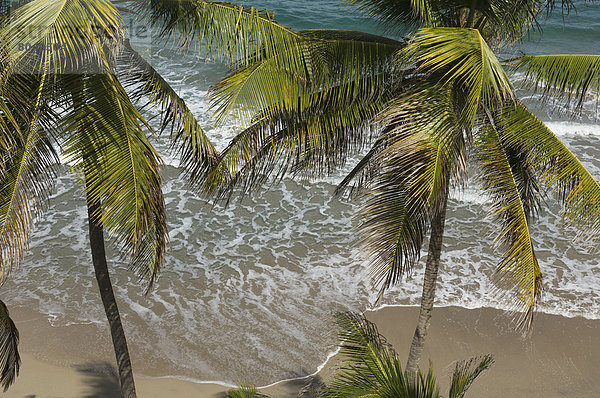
[(371, 368), (10, 360), (71, 82), (423, 107)]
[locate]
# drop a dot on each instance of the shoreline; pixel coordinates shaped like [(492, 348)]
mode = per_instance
[(561, 355)]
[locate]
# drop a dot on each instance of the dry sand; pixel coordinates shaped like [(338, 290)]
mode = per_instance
[(560, 359)]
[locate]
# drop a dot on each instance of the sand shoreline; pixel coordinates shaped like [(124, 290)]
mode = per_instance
[(560, 359)]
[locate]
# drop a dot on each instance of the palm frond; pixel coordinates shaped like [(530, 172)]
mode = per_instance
[(69, 36), (260, 86), (357, 62), (398, 14), (425, 152), (232, 32), (311, 131), (310, 143), (27, 172), (556, 166), (345, 35), (120, 168), (356, 181), (504, 22), (197, 153), (10, 360), (519, 266), (570, 76), (461, 57), (465, 373), (246, 391), (498, 20), (371, 367)]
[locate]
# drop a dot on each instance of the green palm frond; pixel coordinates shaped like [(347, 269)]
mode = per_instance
[(398, 14), (260, 86), (571, 76), (315, 145), (67, 35), (557, 167), (391, 228), (232, 32), (120, 168), (502, 21), (27, 172), (519, 265), (371, 367), (345, 35), (9, 128), (498, 20), (10, 360), (358, 62), (246, 391), (463, 58), (197, 153), (465, 373), (309, 143), (425, 152), (363, 172), (310, 128)]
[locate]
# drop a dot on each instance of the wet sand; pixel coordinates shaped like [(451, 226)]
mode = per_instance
[(560, 359)]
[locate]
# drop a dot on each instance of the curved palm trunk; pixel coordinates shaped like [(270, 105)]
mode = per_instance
[(109, 301), (429, 282), (103, 278)]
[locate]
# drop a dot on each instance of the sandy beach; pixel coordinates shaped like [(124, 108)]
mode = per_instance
[(560, 359)]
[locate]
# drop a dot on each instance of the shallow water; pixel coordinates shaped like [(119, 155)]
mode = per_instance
[(247, 291)]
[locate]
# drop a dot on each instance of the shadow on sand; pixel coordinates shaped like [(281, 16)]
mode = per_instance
[(101, 379)]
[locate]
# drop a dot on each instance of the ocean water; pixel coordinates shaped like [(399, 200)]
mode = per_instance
[(248, 291)]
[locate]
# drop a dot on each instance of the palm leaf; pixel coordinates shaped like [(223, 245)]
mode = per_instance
[(398, 14), (197, 153), (498, 20), (310, 143), (246, 391), (556, 166), (465, 373), (460, 57), (425, 152), (120, 169), (232, 32), (519, 266), (358, 62), (10, 360), (68, 35), (27, 172), (363, 172), (572, 76), (260, 86), (371, 367), (311, 132)]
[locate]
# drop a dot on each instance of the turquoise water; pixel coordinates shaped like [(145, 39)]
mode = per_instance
[(248, 291)]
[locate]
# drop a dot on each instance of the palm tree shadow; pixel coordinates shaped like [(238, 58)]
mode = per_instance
[(101, 378)]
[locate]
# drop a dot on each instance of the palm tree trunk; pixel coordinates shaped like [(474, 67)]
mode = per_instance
[(103, 278), (431, 271), (109, 301), (471, 14)]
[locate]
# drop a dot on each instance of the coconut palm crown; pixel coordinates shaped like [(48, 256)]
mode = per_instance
[(419, 109)]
